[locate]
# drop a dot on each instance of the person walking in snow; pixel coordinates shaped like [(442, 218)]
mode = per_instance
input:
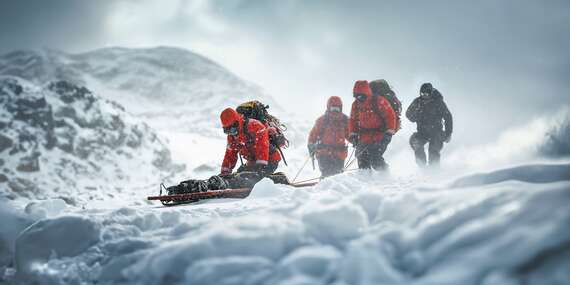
[(380, 87), (371, 126), (247, 138), (429, 111), (327, 139)]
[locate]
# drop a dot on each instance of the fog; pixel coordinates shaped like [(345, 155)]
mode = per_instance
[(499, 64)]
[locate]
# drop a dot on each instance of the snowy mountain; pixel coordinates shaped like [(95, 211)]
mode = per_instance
[(61, 140), (173, 88)]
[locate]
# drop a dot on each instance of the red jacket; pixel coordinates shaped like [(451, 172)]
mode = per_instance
[(367, 121), (330, 133), (254, 148)]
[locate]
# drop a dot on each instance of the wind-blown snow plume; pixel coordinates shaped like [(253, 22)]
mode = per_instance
[(546, 137)]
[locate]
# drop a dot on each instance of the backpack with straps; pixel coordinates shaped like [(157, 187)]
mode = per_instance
[(258, 111), (381, 88)]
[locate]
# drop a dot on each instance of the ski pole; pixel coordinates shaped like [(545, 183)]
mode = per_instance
[(301, 169), (350, 157)]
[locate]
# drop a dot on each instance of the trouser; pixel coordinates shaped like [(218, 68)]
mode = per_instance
[(244, 177), (418, 141), (330, 165), (370, 156)]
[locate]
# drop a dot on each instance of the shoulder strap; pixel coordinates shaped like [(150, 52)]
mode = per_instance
[(246, 130)]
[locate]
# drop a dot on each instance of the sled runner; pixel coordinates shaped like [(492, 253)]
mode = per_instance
[(186, 198)]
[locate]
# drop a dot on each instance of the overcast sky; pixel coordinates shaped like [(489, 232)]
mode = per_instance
[(498, 63)]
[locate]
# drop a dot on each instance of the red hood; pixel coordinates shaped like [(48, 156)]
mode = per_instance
[(230, 116), (334, 101), (362, 87)]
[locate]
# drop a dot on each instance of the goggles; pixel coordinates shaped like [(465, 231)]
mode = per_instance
[(360, 96), (232, 130), (335, 109)]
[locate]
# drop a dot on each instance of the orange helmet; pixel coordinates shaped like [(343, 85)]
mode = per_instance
[(334, 101), (229, 116)]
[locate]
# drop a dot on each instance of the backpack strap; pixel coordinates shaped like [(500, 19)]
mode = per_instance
[(246, 132)]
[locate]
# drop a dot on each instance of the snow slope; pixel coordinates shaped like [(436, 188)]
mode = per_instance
[(355, 228), (172, 88)]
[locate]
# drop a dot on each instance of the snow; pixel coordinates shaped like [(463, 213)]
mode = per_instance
[(494, 214)]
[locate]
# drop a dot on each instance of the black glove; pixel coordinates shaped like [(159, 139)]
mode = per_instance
[(354, 139), (386, 139)]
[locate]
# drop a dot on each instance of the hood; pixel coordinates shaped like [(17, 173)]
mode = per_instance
[(334, 101), (362, 86), (229, 116)]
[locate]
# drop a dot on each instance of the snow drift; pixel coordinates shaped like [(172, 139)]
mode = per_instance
[(379, 232)]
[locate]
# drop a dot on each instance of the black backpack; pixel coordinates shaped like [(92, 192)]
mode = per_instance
[(381, 87), (258, 111)]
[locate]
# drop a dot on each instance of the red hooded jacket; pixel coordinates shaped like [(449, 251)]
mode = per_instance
[(253, 146), (370, 122), (331, 131)]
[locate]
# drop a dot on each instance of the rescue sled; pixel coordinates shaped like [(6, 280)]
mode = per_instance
[(186, 198)]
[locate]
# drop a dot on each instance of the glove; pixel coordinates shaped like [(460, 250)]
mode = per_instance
[(353, 138), (386, 139), (447, 138), (312, 149)]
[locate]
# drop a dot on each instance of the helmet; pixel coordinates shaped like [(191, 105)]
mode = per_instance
[(229, 116), (334, 101), (426, 88)]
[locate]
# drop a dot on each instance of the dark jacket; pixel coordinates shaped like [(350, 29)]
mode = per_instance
[(429, 114)]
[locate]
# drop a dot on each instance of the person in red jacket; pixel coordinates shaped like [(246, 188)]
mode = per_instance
[(371, 126), (250, 139), (247, 138), (327, 140)]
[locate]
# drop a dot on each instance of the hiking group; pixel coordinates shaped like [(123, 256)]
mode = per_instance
[(257, 137)]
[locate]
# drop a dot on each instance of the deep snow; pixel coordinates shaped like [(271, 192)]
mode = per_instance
[(355, 228), (494, 214)]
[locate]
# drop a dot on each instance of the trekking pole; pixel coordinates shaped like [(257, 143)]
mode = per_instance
[(282, 156), (299, 172), (356, 156), (350, 157)]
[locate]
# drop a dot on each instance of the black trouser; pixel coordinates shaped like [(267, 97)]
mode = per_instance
[(418, 141), (330, 165), (370, 156)]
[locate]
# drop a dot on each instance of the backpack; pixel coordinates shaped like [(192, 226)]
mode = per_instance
[(258, 111), (381, 87)]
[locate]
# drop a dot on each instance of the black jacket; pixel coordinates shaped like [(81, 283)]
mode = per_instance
[(429, 114)]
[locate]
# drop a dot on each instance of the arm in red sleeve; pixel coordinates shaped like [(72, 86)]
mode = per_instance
[(315, 131), (353, 120), (387, 113), (230, 157), (261, 142)]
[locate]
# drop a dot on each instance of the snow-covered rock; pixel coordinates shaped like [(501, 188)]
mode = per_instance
[(61, 140)]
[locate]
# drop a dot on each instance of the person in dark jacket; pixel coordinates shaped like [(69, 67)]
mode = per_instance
[(429, 111), (327, 140)]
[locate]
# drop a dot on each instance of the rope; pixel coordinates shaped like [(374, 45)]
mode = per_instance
[(301, 169)]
